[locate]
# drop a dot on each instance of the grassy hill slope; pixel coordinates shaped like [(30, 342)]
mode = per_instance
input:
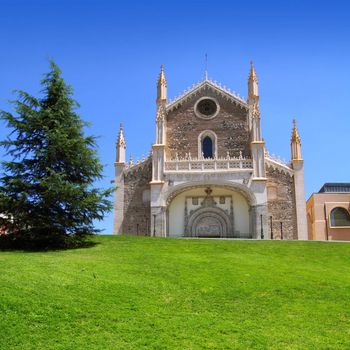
[(152, 293)]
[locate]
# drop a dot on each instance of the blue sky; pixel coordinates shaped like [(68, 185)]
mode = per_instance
[(110, 52)]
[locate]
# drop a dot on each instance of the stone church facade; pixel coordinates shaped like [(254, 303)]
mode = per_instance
[(209, 173)]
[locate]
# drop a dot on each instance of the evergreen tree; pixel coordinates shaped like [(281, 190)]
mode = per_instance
[(47, 193)]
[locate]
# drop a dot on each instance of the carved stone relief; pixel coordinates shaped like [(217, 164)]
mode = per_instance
[(209, 220)]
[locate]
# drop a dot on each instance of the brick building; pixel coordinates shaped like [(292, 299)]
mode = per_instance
[(209, 173)]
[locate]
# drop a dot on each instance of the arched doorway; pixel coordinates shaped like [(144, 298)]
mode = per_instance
[(209, 222), (210, 211)]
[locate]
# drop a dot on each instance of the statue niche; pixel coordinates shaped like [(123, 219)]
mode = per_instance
[(208, 220)]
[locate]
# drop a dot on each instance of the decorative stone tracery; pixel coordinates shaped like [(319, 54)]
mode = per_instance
[(209, 220), (209, 116)]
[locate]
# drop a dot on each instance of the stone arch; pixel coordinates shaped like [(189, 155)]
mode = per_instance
[(209, 222), (242, 189), (230, 218)]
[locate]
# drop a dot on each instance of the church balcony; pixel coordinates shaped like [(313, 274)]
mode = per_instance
[(227, 164)]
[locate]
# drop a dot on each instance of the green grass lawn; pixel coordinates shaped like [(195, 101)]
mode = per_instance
[(154, 293)]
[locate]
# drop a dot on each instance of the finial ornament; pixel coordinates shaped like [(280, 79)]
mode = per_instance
[(121, 146), (253, 90), (206, 68), (295, 133), (295, 143), (161, 87), (162, 75), (252, 73), (121, 138)]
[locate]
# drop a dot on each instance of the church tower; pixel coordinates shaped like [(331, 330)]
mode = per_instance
[(209, 173), (158, 159), (298, 166), (119, 167), (257, 146), (257, 143)]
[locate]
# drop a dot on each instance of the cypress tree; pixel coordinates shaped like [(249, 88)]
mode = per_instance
[(47, 193)]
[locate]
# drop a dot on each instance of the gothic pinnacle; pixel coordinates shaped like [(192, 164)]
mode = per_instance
[(252, 73), (121, 138), (295, 133), (161, 78), (161, 87), (295, 143), (253, 90), (121, 146)]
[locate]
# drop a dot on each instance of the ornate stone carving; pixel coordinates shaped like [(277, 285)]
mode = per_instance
[(208, 220)]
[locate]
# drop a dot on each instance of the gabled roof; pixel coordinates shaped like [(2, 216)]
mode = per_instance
[(205, 84)]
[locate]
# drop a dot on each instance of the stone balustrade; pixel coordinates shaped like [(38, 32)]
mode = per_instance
[(200, 165)]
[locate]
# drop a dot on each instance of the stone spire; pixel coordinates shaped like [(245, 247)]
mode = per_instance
[(162, 87), (257, 144), (121, 146), (121, 138), (253, 91), (119, 167), (253, 102), (158, 149), (295, 143)]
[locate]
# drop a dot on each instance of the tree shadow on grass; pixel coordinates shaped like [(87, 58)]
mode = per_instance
[(11, 243)]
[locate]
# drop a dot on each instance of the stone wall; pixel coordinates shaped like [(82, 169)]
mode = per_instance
[(281, 203), (137, 210), (230, 126)]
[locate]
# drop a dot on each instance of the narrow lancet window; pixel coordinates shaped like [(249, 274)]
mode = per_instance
[(207, 147)]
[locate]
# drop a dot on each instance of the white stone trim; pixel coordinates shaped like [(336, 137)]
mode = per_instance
[(213, 137), (136, 166), (200, 115), (279, 166), (245, 191), (196, 88)]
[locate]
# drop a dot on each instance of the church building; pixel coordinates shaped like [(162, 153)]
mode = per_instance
[(209, 173)]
